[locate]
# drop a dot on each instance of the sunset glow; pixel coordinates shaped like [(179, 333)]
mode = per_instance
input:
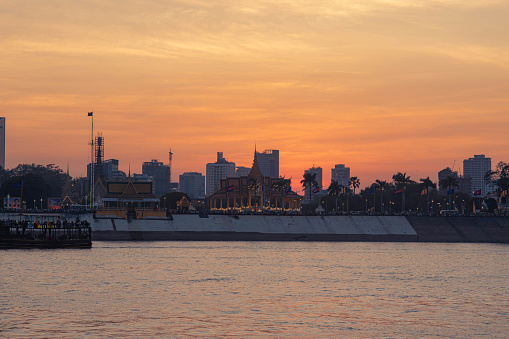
[(381, 86)]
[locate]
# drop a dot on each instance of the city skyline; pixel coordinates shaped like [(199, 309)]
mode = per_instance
[(380, 86)]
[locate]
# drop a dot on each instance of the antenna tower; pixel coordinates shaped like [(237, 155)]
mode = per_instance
[(99, 156)]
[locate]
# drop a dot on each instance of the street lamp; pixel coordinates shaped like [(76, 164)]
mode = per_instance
[(41, 204), (35, 207)]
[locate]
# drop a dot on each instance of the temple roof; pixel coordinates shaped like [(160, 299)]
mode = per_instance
[(130, 192), (255, 172)]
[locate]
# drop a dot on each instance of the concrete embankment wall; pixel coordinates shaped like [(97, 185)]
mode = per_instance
[(294, 228), (461, 229), (257, 227)]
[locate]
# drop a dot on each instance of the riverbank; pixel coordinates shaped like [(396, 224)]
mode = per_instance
[(295, 228)]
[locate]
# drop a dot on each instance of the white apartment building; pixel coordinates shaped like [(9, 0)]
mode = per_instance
[(476, 169), (221, 169)]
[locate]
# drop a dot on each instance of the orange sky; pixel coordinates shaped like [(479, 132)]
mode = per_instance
[(380, 85)]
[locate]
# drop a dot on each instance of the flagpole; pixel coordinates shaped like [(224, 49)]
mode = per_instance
[(92, 178), (21, 198)]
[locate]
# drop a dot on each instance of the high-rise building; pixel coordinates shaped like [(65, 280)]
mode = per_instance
[(464, 183), (340, 174), (2, 142), (221, 169), (160, 174), (192, 183), (318, 172), (109, 170), (268, 162), (476, 168)]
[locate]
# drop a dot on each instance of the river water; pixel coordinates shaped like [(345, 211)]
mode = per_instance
[(256, 289)]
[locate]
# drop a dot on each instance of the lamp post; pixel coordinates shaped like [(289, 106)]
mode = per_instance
[(41, 204), (35, 207)]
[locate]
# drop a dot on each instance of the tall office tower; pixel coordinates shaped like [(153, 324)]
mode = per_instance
[(2, 142), (192, 183), (268, 162), (318, 172), (476, 169), (160, 174), (221, 169), (341, 174)]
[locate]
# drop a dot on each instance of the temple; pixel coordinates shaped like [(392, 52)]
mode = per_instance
[(254, 193), (123, 197)]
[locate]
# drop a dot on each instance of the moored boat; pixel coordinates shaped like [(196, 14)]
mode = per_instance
[(30, 234)]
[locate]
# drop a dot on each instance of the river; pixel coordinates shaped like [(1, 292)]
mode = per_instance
[(256, 289)]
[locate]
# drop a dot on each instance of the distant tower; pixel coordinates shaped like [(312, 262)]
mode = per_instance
[(2, 142), (99, 156)]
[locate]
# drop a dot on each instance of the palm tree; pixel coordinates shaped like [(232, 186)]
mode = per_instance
[(309, 182), (427, 183), (352, 182), (334, 190), (447, 184), (383, 185), (402, 181), (355, 183)]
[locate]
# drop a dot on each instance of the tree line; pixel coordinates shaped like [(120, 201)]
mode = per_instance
[(404, 194), (33, 183)]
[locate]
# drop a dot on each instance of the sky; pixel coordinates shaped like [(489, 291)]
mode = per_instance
[(383, 86)]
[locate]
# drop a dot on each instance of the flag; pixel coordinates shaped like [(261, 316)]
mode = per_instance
[(477, 192), (398, 191), (90, 114), (451, 191), (424, 191), (230, 188), (288, 189), (18, 184), (259, 189), (372, 191), (504, 193), (316, 190), (342, 190)]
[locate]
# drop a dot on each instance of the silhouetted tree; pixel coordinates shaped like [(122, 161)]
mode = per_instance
[(402, 181), (309, 182), (334, 190)]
